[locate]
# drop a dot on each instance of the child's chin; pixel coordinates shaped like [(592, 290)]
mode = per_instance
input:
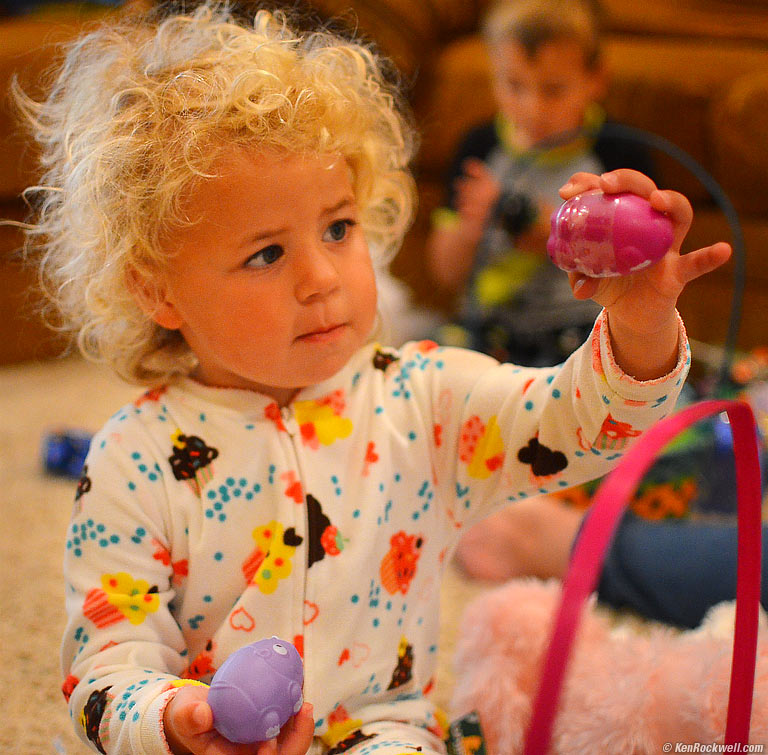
[(326, 369)]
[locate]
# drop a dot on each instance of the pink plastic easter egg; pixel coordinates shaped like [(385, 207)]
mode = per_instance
[(603, 235)]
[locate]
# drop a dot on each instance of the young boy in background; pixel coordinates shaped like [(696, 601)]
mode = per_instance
[(488, 241)]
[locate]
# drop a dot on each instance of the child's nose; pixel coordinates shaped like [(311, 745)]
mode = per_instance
[(532, 102), (317, 275)]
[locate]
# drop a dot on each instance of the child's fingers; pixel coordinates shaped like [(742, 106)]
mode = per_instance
[(267, 748), (678, 208), (191, 717), (469, 188), (297, 736), (204, 717), (583, 286), (472, 166), (625, 179), (579, 183), (695, 264), (198, 719)]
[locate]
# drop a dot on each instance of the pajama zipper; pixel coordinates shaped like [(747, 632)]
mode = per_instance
[(292, 430)]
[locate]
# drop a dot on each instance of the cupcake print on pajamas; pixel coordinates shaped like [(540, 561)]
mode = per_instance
[(615, 435), (191, 460), (120, 597), (404, 670), (481, 447), (93, 713), (398, 567), (99, 610)]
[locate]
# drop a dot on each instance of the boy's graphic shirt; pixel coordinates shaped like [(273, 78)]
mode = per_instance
[(516, 305), (210, 518)]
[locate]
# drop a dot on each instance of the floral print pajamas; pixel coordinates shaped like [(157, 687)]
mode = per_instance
[(209, 518)]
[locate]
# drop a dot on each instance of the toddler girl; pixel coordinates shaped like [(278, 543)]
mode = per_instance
[(214, 194)]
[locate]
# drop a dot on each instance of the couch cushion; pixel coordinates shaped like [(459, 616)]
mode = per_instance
[(666, 86), (724, 19), (706, 302), (30, 48), (23, 335), (740, 138), (459, 96), (407, 30)]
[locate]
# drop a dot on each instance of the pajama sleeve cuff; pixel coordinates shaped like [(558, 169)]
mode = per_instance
[(152, 732), (625, 385)]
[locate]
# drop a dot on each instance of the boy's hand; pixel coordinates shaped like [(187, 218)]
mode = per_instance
[(641, 306), (188, 724), (477, 192)]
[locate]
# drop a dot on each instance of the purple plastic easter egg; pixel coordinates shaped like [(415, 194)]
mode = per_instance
[(256, 690), (603, 235)]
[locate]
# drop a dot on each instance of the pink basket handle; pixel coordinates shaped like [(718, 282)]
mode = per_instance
[(609, 505)]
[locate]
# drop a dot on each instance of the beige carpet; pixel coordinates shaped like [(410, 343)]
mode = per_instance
[(34, 512)]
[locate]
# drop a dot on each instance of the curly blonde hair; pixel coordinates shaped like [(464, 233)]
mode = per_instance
[(141, 108)]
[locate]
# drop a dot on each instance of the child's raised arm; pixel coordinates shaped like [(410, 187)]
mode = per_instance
[(641, 311), (451, 247)]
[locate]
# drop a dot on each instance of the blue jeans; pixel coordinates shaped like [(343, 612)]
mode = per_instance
[(674, 570)]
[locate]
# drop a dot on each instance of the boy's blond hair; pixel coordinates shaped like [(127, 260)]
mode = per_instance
[(141, 109), (532, 23)]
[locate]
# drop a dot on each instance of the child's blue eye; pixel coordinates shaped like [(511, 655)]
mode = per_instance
[(267, 256), (337, 230)]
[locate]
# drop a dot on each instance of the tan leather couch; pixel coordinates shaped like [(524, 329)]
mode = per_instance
[(692, 71)]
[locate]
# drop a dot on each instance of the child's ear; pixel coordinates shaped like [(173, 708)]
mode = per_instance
[(151, 295)]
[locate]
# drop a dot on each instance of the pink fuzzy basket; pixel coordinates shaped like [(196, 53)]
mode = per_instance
[(631, 692)]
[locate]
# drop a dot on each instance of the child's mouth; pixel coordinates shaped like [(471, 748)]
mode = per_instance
[(323, 335)]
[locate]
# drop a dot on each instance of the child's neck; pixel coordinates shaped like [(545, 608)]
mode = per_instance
[(281, 396)]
